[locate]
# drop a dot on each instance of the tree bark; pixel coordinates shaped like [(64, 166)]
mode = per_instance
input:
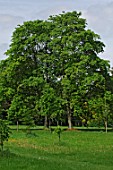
[(106, 126), (46, 125), (57, 122), (69, 117), (17, 125), (1, 143)]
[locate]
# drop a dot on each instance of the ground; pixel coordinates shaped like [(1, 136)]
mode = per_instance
[(41, 150)]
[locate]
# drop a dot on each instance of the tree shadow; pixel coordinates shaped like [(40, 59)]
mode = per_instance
[(7, 154)]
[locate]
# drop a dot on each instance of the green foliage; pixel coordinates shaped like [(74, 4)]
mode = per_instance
[(58, 131), (4, 133), (53, 70)]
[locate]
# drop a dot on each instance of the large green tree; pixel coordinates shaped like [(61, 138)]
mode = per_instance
[(53, 67), (79, 68)]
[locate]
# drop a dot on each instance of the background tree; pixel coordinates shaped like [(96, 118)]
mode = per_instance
[(49, 105)]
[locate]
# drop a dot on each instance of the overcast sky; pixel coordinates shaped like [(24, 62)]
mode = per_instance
[(98, 13)]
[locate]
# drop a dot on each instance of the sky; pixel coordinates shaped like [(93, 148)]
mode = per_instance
[(98, 13)]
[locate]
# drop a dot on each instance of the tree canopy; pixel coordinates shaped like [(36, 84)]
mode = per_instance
[(53, 70)]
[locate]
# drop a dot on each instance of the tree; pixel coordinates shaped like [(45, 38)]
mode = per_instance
[(22, 108), (76, 51), (29, 58), (100, 107), (6, 90), (63, 54), (49, 105)]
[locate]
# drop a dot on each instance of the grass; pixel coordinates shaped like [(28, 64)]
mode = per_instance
[(76, 151), (82, 128)]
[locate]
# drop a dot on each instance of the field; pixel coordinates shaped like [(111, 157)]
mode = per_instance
[(42, 150)]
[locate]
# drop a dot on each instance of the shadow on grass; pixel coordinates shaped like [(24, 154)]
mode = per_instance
[(61, 143), (7, 154), (29, 133)]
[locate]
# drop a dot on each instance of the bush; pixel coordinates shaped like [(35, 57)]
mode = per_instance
[(4, 133)]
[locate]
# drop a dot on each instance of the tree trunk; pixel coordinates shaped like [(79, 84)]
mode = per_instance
[(2, 146), (17, 125), (57, 122), (1, 143), (69, 117), (46, 122), (106, 126), (49, 122)]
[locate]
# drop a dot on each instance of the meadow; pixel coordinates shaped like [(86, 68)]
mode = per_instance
[(41, 150)]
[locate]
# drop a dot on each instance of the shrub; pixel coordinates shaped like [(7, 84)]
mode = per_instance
[(4, 132)]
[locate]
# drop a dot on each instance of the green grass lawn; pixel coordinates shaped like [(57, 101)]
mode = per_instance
[(76, 151)]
